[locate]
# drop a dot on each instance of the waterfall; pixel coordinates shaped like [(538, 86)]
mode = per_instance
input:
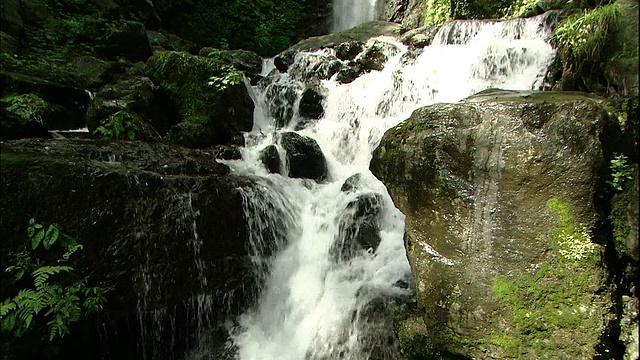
[(330, 255), (350, 13)]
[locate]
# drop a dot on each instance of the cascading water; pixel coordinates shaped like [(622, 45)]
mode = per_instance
[(350, 13), (338, 264)]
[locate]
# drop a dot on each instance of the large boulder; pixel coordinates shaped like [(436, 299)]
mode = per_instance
[(163, 229), (69, 103), (502, 229), (137, 96), (211, 114), (304, 157)]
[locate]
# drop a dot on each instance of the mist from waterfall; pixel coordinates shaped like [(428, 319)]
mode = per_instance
[(316, 303), (350, 13)]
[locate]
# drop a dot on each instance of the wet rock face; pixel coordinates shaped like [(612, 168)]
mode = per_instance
[(304, 157), (349, 50), (270, 157), (311, 103), (154, 220), (497, 191), (359, 227)]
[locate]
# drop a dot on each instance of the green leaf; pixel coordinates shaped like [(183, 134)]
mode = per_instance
[(51, 236), (35, 241)]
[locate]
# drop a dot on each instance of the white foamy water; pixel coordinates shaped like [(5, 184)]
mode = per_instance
[(314, 304)]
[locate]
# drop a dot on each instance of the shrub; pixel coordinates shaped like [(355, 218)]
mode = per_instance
[(57, 293)]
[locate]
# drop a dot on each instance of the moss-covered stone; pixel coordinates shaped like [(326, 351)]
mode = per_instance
[(502, 271), (222, 111)]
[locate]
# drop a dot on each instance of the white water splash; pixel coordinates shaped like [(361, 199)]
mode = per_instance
[(314, 306)]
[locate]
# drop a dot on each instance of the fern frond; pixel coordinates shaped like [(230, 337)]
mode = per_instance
[(42, 274), (6, 307)]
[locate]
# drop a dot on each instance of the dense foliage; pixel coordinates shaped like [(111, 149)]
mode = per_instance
[(264, 26), (56, 294)]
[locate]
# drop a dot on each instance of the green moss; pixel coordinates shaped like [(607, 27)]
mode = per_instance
[(572, 241), (414, 341), (558, 298), (11, 160), (620, 213)]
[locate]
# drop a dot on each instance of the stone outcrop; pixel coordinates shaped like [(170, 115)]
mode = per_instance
[(502, 228), (155, 221), (304, 157), (208, 116)]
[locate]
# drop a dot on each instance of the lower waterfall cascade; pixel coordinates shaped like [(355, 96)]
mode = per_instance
[(322, 297)]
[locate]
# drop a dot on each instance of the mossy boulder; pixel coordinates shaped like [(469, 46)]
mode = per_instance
[(209, 114), (501, 226), (66, 105), (154, 221), (141, 99)]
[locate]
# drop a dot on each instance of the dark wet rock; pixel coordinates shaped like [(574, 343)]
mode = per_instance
[(270, 157), (281, 105), (352, 183), (311, 67), (71, 102), (349, 73), (304, 157), (311, 103), (227, 152), (373, 59), (349, 50), (283, 60), (359, 227), (154, 221)]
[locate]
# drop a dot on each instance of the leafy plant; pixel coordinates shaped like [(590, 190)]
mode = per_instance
[(58, 294), (27, 106), (585, 35), (620, 171), (230, 77), (120, 125)]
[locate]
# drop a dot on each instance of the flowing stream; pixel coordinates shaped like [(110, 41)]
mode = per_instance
[(327, 293)]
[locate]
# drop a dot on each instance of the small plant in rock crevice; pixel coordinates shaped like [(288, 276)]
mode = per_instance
[(56, 294), (620, 171)]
